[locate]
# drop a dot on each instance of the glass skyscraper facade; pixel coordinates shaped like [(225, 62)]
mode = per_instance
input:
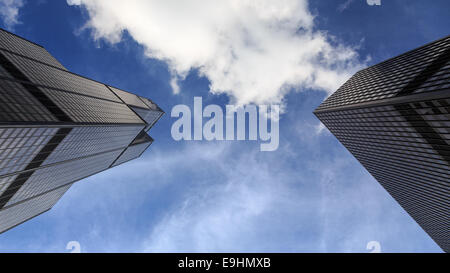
[(394, 117), (57, 127)]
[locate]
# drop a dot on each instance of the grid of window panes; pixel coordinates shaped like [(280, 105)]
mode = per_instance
[(142, 137), (128, 98), (11, 42), (19, 146), (84, 141), (22, 212), (5, 181), (18, 105), (53, 176), (409, 157), (150, 116), (92, 110), (41, 74), (387, 79), (132, 152)]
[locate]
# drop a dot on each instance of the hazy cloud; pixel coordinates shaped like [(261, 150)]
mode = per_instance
[(344, 5), (261, 204), (209, 197)]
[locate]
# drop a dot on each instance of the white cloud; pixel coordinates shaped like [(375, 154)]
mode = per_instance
[(254, 51), (9, 12)]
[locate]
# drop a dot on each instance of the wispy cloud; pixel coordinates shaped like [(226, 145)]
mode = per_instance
[(344, 5), (254, 51), (9, 12)]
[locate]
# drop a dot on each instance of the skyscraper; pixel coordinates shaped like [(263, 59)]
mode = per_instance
[(394, 117), (57, 127)]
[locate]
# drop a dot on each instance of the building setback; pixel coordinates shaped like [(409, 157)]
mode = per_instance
[(57, 127), (394, 117)]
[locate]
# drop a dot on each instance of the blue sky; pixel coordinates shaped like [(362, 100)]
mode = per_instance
[(311, 195)]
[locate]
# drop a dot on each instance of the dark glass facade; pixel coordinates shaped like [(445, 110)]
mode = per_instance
[(394, 117), (57, 128)]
